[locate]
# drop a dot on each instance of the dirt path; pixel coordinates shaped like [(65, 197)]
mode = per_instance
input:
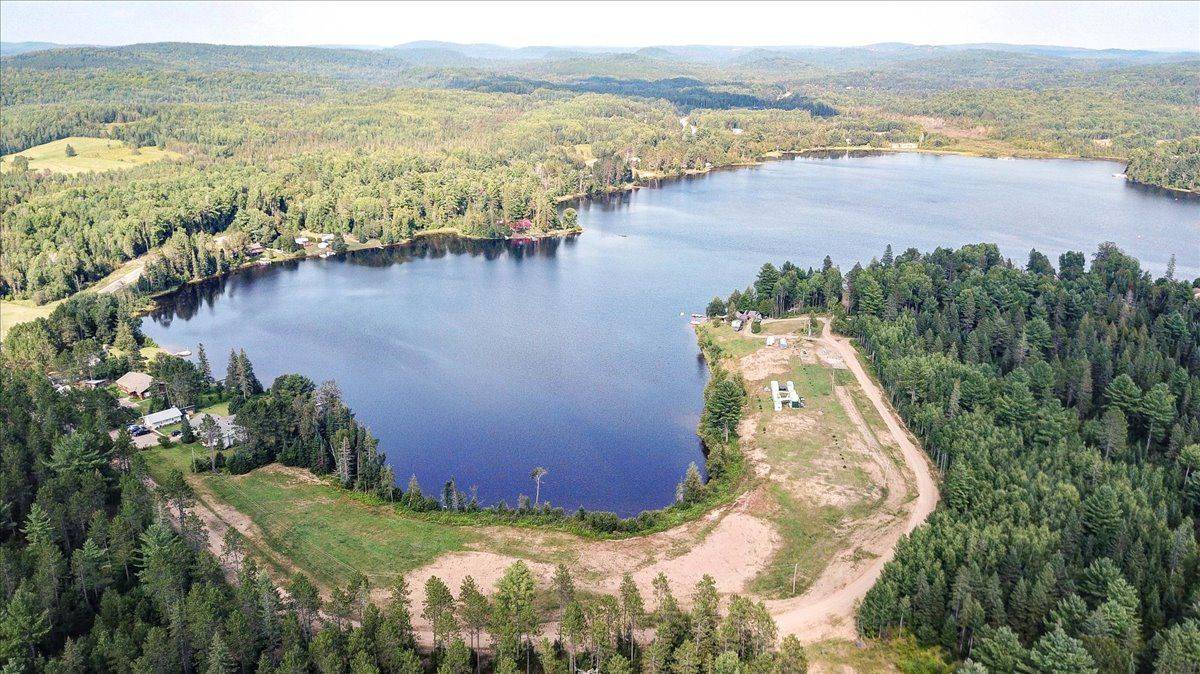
[(123, 281), (827, 610)]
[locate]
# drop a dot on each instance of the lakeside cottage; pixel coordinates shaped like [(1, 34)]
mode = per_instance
[(171, 415), (301, 240), (135, 384), (228, 432)]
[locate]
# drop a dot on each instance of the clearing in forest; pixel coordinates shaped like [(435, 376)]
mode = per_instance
[(90, 154)]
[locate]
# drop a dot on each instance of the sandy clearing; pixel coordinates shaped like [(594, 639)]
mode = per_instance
[(826, 611)]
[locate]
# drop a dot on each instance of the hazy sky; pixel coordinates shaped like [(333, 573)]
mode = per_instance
[(1130, 25)]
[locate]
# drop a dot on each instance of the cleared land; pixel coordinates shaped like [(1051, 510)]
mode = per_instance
[(13, 312), (91, 154), (832, 488)]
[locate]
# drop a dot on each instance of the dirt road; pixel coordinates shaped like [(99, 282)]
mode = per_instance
[(827, 612)]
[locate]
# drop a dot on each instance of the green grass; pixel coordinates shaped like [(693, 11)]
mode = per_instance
[(219, 409), (14, 312), (898, 656), (92, 154), (810, 533), (328, 532), (733, 344)]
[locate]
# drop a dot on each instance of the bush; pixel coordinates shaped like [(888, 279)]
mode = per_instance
[(756, 327)]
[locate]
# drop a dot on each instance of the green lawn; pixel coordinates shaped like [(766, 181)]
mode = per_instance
[(328, 532), (323, 530), (92, 154), (734, 344)]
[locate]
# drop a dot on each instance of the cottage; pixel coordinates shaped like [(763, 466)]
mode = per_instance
[(301, 240), (228, 432), (255, 249), (327, 237), (91, 384), (171, 415), (135, 384)]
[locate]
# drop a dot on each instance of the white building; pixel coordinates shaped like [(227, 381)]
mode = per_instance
[(229, 433), (301, 240), (169, 416)]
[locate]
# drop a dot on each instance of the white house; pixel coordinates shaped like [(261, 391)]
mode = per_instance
[(301, 240), (169, 416), (229, 433)]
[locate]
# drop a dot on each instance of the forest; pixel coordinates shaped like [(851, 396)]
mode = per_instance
[(1175, 166), (1062, 407)]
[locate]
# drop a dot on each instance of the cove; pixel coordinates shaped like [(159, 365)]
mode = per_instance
[(481, 360)]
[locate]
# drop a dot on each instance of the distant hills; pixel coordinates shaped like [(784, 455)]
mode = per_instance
[(434, 52), (14, 48)]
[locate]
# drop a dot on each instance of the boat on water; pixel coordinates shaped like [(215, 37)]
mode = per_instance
[(183, 354)]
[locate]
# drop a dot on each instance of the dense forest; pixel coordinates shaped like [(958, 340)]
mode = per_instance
[(1062, 407), (1172, 165)]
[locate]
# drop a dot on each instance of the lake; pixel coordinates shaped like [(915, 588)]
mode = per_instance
[(482, 360)]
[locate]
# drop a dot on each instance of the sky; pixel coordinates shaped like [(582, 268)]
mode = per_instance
[(1125, 25)]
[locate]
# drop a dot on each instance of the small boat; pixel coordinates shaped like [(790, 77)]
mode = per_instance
[(183, 354), (326, 254)]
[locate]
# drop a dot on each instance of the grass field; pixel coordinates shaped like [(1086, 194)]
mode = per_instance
[(324, 531), (92, 154), (889, 657), (14, 312)]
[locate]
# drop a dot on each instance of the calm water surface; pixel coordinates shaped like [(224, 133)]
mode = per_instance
[(481, 361)]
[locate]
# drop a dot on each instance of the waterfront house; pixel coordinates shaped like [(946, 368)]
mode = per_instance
[(228, 432), (135, 384), (255, 249), (301, 240), (155, 421)]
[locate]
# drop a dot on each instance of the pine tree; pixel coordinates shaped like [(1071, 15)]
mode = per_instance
[(220, 660), (1057, 653), (1123, 393), (691, 489), (202, 363), (232, 383), (1158, 408)]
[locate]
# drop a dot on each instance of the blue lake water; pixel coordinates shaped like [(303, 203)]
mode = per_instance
[(480, 361)]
